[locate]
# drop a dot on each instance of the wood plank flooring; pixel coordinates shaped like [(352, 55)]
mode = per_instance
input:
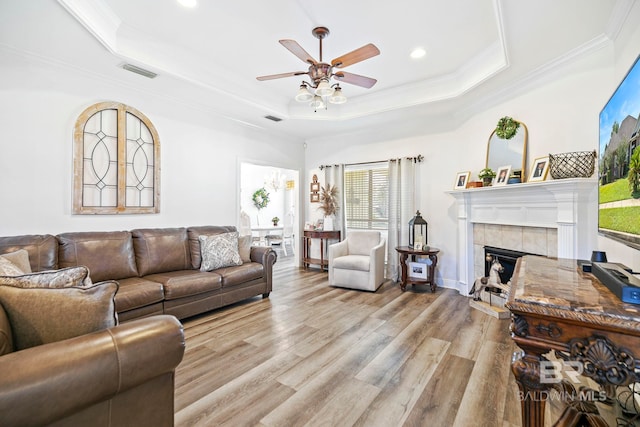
[(313, 355)]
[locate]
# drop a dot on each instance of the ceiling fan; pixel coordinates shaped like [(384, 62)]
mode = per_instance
[(321, 73)]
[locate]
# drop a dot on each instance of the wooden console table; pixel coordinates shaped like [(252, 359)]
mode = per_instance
[(555, 306), (324, 236), (405, 279)]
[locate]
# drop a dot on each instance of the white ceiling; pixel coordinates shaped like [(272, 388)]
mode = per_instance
[(209, 57)]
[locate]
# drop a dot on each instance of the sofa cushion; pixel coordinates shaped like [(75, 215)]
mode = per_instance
[(6, 337), (162, 249), (219, 251), (194, 242), (136, 292), (42, 249), (108, 254), (42, 311), (353, 262), (20, 258), (236, 275), (183, 283), (7, 268), (244, 248)]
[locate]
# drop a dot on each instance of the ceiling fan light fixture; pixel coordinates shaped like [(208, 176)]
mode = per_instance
[(304, 95), (337, 97), (317, 103), (324, 88)]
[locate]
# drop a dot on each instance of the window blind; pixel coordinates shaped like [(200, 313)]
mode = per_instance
[(367, 196)]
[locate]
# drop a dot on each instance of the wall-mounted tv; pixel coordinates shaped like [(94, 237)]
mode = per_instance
[(619, 162)]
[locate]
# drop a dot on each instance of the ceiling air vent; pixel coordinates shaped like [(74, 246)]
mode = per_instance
[(273, 118), (138, 70)]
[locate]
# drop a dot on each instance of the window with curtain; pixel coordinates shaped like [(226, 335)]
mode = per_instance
[(367, 196)]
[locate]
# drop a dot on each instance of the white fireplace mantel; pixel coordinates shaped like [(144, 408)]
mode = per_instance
[(568, 205)]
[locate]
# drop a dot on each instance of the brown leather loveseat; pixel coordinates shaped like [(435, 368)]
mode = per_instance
[(121, 376), (158, 270)]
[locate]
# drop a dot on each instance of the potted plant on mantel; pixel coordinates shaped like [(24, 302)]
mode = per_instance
[(275, 221), (486, 175)]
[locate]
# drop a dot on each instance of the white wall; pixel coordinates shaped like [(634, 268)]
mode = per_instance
[(200, 152), (560, 110)]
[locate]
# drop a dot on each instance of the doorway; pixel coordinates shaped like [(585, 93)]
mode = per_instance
[(281, 187)]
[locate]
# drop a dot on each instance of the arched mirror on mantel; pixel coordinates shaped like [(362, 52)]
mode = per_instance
[(509, 152)]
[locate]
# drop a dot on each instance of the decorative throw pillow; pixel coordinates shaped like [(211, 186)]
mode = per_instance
[(244, 248), (55, 305), (65, 277), (220, 250), (19, 258), (7, 268)]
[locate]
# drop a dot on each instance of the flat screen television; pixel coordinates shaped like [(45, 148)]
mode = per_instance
[(619, 162)]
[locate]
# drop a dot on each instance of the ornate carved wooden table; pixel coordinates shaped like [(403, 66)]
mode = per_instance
[(555, 306), (404, 252)]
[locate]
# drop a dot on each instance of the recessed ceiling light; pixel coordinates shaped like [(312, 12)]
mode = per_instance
[(188, 3), (418, 53)]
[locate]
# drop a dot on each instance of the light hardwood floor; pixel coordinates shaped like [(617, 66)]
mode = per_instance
[(321, 356)]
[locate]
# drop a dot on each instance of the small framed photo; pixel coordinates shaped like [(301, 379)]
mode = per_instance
[(315, 187), (502, 176), (462, 179), (315, 198), (417, 246), (539, 169), (417, 270)]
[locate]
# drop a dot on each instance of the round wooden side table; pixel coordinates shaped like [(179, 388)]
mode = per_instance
[(405, 252)]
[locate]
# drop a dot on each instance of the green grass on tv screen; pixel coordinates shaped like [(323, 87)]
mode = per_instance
[(621, 219), (617, 190)]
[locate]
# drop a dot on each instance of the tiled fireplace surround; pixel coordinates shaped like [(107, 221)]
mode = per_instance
[(556, 218)]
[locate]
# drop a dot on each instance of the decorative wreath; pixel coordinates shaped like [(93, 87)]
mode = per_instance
[(260, 198), (507, 128)]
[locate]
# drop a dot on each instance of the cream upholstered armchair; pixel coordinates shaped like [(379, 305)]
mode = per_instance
[(357, 262)]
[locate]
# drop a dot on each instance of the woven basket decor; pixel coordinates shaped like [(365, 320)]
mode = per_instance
[(578, 164)]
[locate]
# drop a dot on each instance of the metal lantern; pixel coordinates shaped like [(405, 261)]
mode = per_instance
[(417, 231)]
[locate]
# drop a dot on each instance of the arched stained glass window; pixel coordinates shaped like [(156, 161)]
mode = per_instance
[(116, 161)]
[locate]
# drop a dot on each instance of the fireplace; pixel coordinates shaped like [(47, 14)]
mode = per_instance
[(507, 258), (562, 213)]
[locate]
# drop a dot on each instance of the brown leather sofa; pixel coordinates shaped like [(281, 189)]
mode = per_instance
[(157, 269), (121, 376)]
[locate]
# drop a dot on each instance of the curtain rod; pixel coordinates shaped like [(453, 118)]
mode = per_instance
[(416, 159)]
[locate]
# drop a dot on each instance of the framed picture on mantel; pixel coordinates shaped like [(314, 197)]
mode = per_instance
[(539, 169), (503, 175), (462, 178)]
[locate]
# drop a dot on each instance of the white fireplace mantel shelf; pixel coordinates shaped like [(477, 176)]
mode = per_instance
[(568, 205)]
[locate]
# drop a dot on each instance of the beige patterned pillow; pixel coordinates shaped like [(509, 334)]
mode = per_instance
[(220, 250), (65, 277), (19, 258), (55, 305), (7, 268)]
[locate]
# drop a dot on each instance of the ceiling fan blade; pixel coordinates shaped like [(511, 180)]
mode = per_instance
[(355, 79), (298, 51), (365, 52), (279, 76)]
